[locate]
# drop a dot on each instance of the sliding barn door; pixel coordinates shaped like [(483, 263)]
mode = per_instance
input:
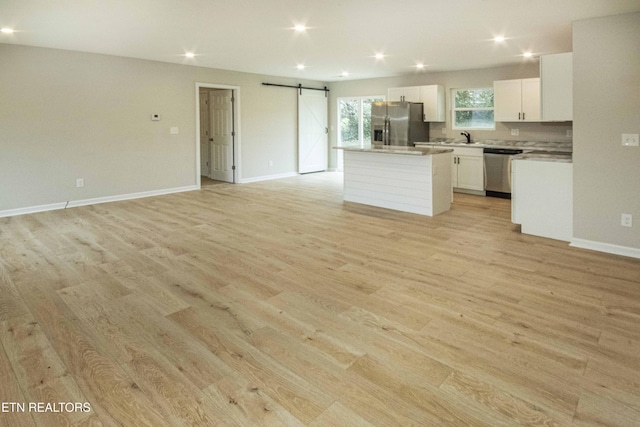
[(312, 131)]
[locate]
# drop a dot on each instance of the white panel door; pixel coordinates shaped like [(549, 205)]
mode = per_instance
[(205, 157), (312, 131), (221, 120)]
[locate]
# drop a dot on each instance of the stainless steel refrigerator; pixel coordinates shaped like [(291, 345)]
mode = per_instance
[(398, 123)]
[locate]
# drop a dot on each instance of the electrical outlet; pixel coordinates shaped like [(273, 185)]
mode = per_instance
[(626, 220), (569, 133), (630, 139), (270, 163), (79, 182), (515, 132), (173, 130), (444, 130)]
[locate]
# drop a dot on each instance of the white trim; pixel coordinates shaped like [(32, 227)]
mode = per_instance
[(95, 201), (236, 128), (32, 209), (269, 177), (605, 247)]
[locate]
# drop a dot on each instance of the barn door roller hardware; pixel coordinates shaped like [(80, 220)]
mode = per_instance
[(299, 87)]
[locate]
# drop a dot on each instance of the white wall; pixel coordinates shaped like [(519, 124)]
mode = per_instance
[(454, 79), (606, 76), (66, 115)]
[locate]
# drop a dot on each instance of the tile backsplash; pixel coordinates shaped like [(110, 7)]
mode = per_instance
[(527, 131)]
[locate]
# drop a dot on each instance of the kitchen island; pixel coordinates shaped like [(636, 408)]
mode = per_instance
[(409, 179)]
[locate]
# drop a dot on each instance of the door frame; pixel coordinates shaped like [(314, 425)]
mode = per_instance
[(237, 175)]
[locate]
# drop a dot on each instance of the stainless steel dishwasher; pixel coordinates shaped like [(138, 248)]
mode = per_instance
[(497, 171)]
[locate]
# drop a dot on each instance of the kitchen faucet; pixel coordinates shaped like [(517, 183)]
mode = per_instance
[(468, 136)]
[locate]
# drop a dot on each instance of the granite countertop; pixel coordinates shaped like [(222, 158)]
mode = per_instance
[(559, 147), (398, 149), (545, 157)]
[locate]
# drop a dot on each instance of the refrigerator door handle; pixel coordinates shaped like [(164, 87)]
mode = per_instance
[(386, 130)]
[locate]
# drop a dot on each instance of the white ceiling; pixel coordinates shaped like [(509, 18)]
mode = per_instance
[(257, 35)]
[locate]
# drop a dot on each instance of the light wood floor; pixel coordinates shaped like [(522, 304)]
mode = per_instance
[(275, 303)]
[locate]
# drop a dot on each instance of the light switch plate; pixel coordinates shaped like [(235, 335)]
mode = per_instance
[(173, 130), (630, 139)]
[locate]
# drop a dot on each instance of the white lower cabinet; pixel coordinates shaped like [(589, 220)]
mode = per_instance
[(542, 198), (467, 172)]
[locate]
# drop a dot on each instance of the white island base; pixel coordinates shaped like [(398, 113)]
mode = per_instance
[(416, 181)]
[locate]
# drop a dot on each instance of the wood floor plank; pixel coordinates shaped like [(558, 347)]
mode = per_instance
[(111, 392), (11, 392), (493, 401), (304, 400), (338, 415), (248, 405)]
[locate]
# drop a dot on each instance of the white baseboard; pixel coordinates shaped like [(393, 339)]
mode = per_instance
[(95, 201), (605, 247), (268, 177)]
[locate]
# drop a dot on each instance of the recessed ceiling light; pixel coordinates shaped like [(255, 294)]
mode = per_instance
[(379, 55), (499, 39), (527, 54), (300, 28), (6, 30), (190, 55), (300, 66), (420, 66), (345, 74)]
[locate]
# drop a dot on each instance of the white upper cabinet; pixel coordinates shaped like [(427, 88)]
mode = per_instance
[(517, 100), (556, 81), (431, 97), (407, 94), (395, 94)]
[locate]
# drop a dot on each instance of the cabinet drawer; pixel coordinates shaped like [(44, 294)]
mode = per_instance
[(471, 152)]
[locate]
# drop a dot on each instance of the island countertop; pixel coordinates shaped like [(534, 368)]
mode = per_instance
[(397, 149)]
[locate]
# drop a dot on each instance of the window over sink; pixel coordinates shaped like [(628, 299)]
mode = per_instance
[(472, 109)]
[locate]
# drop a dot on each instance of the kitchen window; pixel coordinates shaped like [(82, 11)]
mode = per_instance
[(472, 108), (354, 122)]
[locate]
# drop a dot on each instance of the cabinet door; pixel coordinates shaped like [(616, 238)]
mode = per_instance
[(471, 173), (556, 81), (531, 100), (454, 171), (507, 100), (412, 94), (395, 94), (432, 97)]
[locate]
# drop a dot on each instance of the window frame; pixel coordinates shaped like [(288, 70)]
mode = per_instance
[(454, 126)]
